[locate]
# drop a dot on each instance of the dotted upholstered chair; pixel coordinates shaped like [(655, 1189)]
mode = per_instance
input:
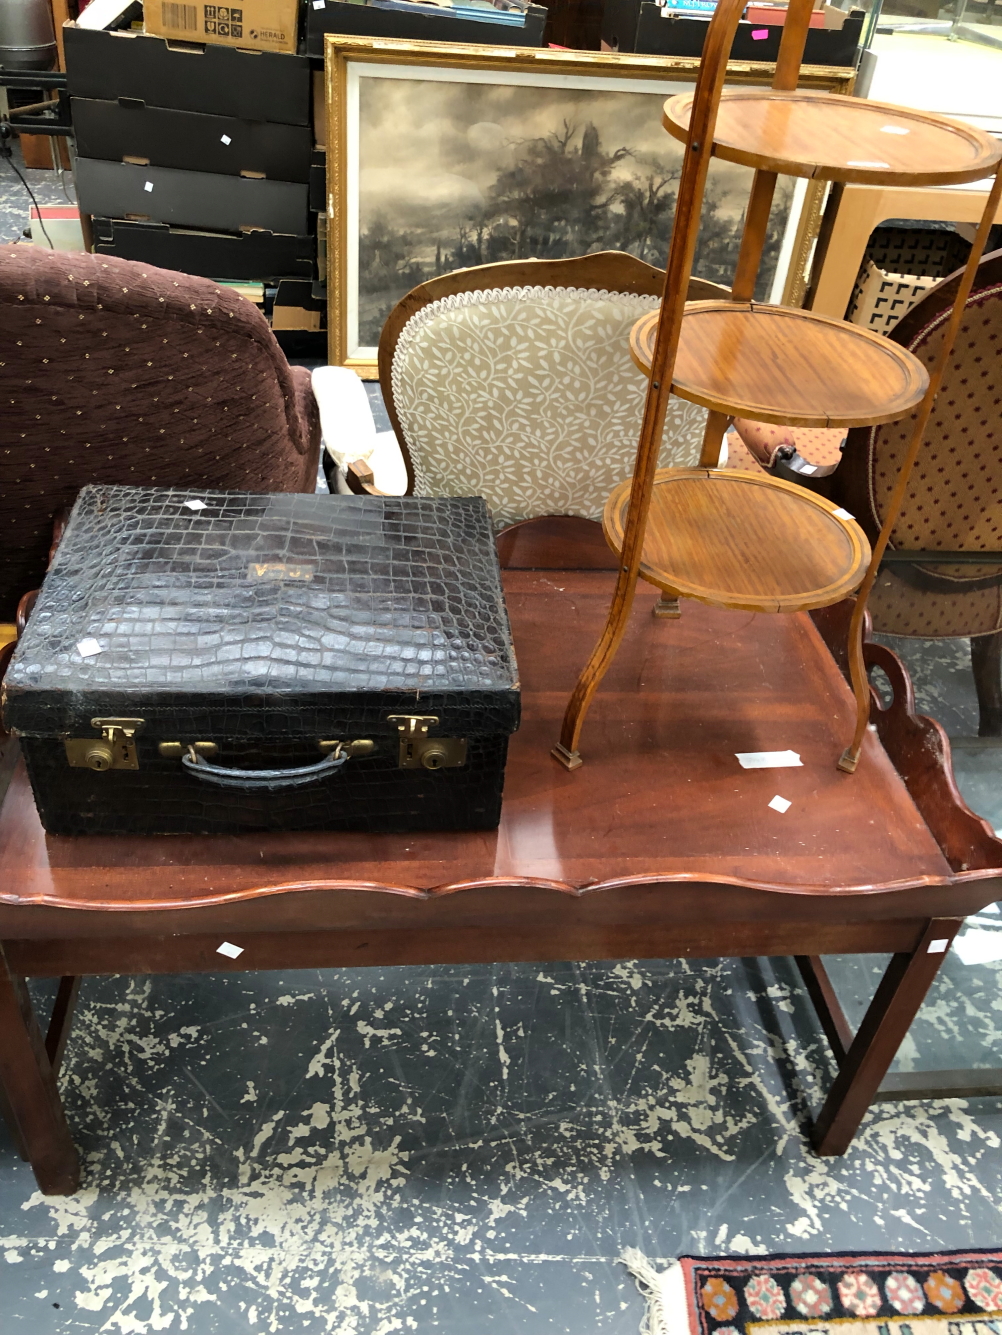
[(117, 372), (954, 498), (514, 382)]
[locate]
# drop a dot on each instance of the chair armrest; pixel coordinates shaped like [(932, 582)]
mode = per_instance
[(360, 479), (349, 431)]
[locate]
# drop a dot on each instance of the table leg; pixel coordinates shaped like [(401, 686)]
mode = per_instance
[(30, 1086), (61, 1020), (891, 1012), (7, 1113), (859, 212)]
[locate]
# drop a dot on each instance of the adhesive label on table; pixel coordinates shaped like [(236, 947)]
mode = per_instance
[(780, 804), (894, 129), (148, 185), (768, 759), (229, 950), (842, 514), (225, 139), (759, 34), (88, 648), (877, 166)]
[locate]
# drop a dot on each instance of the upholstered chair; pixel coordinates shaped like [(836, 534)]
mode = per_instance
[(117, 372), (954, 497), (514, 382)]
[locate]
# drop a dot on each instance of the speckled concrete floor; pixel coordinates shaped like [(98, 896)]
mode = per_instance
[(48, 187), (456, 1149)]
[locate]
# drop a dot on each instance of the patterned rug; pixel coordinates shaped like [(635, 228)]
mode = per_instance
[(853, 1293)]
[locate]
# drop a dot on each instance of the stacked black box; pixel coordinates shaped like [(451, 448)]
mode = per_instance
[(355, 20), (193, 157), (643, 27)]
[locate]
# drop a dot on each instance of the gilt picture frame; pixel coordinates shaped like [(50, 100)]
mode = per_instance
[(441, 156)]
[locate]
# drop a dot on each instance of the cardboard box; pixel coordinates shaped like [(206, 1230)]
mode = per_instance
[(639, 26), (217, 80), (191, 199), (296, 307), (260, 255), (127, 131), (900, 265), (63, 229), (255, 25), (323, 16)]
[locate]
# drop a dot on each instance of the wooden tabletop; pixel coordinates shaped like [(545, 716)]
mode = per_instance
[(661, 810), (778, 364), (833, 138), (743, 540)]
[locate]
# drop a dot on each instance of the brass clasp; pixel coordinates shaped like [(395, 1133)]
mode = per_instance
[(115, 749), (418, 750)]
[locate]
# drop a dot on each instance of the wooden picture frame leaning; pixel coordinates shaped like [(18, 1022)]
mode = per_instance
[(369, 158)]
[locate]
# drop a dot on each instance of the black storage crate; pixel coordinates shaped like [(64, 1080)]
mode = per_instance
[(639, 26), (190, 140), (369, 21), (189, 76), (191, 199), (242, 257)]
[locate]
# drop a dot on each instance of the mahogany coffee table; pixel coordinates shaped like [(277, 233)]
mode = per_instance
[(661, 846)]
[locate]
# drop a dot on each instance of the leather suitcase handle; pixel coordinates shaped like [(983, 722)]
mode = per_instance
[(262, 780)]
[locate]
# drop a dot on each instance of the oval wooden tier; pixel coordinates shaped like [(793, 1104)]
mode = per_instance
[(833, 138), (777, 364), (743, 540)]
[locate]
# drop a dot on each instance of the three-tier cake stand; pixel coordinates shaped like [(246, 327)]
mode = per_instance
[(735, 539)]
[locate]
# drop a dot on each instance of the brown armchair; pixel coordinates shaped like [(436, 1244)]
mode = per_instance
[(954, 499), (118, 372)]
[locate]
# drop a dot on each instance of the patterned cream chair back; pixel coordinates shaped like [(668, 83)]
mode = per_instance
[(514, 382)]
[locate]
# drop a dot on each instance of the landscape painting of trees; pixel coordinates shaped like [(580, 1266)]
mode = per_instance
[(455, 173)]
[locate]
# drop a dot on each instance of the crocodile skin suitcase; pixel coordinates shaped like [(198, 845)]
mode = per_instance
[(216, 661)]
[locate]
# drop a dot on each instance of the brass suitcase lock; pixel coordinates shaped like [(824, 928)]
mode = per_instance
[(418, 750), (114, 749)]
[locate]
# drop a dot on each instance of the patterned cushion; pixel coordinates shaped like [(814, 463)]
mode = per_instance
[(527, 396), (736, 456), (954, 497), (899, 608), (820, 446)]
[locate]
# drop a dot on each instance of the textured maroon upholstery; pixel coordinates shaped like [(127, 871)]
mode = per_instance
[(113, 371)]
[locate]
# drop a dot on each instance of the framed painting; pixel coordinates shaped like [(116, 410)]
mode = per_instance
[(441, 156)]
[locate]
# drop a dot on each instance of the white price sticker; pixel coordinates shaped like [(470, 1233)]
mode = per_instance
[(768, 759)]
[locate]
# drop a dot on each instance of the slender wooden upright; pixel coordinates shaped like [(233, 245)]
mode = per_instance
[(771, 363)]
